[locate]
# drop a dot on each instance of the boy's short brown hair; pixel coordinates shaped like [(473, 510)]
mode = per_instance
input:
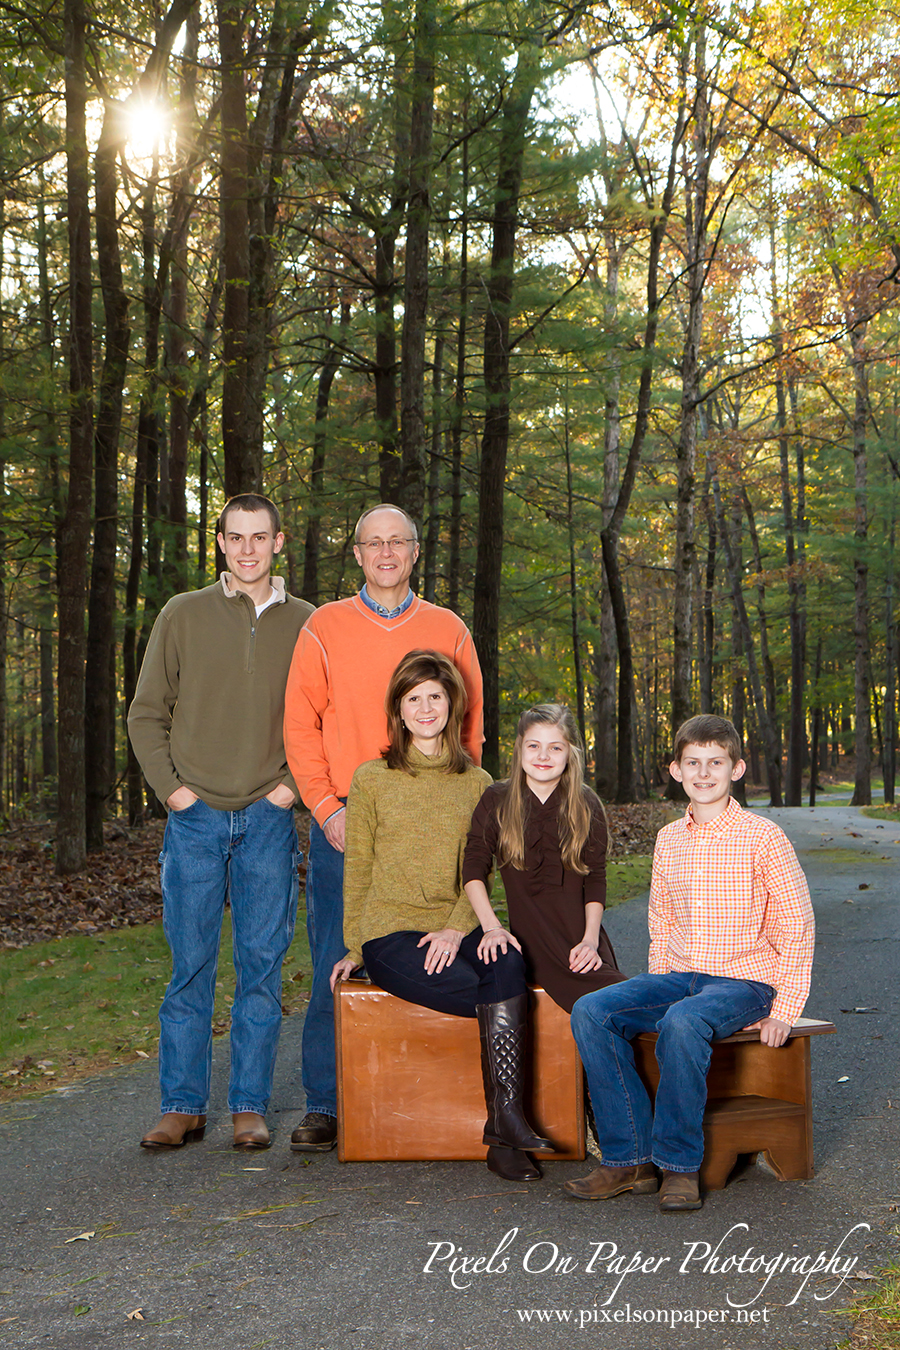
[(707, 729), (249, 501)]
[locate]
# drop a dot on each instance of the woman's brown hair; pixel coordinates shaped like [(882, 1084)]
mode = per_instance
[(574, 806), (415, 668)]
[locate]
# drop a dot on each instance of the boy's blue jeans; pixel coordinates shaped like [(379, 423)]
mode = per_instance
[(251, 856), (689, 1011)]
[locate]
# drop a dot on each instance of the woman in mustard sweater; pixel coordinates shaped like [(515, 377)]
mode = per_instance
[(406, 915)]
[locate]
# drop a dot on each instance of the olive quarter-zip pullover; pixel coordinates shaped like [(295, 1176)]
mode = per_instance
[(209, 705)]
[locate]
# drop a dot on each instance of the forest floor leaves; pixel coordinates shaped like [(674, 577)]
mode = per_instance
[(84, 963), (119, 888)]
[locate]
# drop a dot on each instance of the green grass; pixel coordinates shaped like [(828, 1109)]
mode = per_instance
[(876, 1317), (891, 813), (627, 879), (79, 1004)]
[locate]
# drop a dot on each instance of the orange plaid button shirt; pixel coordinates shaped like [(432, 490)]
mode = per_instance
[(729, 897)]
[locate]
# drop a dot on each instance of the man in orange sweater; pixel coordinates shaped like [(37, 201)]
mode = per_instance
[(334, 720)]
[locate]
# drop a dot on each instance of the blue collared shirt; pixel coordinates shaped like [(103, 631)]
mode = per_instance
[(380, 610)]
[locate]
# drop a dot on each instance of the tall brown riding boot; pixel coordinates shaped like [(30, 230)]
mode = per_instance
[(503, 1030)]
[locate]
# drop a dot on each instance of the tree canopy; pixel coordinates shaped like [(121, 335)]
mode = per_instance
[(607, 299)]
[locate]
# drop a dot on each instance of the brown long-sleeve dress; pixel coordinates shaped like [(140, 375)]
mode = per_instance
[(545, 901)]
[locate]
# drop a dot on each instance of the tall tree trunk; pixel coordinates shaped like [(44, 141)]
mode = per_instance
[(738, 686), (198, 415), (697, 167), (385, 375), (433, 525), (459, 394), (265, 180), (573, 583), (146, 485), (243, 459), (415, 286), (818, 724), (4, 628), (773, 757), (385, 290), (177, 366), (793, 794), (605, 654), (659, 205), (19, 757), (330, 366), (48, 710), (495, 440), (134, 778), (100, 697), (862, 787), (889, 757), (763, 618), (75, 526), (4, 618), (100, 692), (148, 415), (707, 627), (49, 439)]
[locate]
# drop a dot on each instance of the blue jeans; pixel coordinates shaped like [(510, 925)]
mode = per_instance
[(325, 927), (689, 1011), (397, 964), (251, 857)]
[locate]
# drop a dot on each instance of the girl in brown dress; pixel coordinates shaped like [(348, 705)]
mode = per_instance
[(547, 831)]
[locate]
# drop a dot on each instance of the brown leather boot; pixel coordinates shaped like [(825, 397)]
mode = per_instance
[(512, 1164), (173, 1130), (605, 1182), (250, 1130), (503, 1031), (679, 1190)]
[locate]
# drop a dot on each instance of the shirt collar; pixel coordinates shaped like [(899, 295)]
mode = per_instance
[(720, 823), (380, 610), (277, 584)]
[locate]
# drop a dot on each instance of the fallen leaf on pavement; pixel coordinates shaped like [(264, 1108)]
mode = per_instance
[(82, 1237), (136, 1315)]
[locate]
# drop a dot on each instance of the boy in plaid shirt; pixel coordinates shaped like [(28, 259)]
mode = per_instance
[(731, 947)]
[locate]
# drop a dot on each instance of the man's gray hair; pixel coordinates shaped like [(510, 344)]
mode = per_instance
[(386, 506)]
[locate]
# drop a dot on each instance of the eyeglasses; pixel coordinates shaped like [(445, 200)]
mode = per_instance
[(376, 545)]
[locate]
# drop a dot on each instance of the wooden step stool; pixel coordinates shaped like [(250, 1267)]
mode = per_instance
[(759, 1101), (409, 1079)]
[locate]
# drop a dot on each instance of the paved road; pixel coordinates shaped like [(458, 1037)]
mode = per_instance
[(228, 1251)]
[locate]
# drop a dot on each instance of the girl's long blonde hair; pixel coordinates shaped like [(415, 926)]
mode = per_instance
[(574, 806)]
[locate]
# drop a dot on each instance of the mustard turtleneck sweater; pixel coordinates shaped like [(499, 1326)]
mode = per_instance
[(404, 849)]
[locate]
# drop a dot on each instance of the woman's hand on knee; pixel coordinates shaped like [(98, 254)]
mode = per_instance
[(442, 948), (342, 971), (494, 940), (585, 957)]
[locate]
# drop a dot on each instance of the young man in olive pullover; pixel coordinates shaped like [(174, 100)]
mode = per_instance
[(206, 726)]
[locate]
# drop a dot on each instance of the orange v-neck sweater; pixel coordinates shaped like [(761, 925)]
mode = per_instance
[(334, 718)]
